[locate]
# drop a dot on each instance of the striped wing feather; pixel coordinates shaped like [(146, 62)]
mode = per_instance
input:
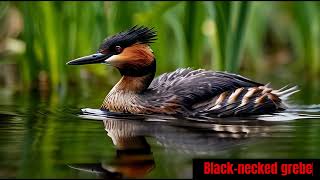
[(212, 93)]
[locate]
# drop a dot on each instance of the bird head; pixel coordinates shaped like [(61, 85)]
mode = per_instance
[(129, 51)]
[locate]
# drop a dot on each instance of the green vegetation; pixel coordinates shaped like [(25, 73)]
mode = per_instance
[(58, 32), (232, 36), (231, 23)]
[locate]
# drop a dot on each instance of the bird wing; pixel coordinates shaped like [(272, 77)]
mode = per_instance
[(187, 78), (188, 87)]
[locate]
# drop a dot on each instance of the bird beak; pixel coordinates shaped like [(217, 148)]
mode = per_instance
[(91, 59)]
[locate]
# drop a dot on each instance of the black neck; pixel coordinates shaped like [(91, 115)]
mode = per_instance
[(137, 71), (137, 79)]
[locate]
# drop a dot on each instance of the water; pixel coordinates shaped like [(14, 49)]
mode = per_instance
[(44, 135)]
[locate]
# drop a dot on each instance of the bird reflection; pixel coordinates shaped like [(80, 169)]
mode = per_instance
[(134, 158)]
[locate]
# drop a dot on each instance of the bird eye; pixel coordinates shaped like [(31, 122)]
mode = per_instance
[(118, 49)]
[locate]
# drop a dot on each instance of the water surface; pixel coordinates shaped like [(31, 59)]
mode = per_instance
[(45, 136)]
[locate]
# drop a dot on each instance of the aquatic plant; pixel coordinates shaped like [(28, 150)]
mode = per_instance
[(230, 36)]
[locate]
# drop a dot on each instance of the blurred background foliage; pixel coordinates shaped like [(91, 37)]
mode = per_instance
[(38, 38)]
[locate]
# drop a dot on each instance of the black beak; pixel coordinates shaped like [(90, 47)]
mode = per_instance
[(91, 59)]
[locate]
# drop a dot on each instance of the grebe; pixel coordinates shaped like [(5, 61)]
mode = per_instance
[(185, 91)]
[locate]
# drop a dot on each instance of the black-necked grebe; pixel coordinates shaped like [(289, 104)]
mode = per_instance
[(185, 91)]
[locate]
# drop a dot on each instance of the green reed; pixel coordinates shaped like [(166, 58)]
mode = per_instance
[(57, 32), (190, 34), (3, 12), (231, 24), (307, 25), (60, 31)]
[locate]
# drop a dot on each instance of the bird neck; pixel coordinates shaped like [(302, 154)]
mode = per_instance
[(136, 81), (127, 89), (134, 84)]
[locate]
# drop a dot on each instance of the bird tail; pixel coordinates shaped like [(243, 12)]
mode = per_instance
[(284, 92)]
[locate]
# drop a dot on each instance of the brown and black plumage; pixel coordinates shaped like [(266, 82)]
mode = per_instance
[(185, 91)]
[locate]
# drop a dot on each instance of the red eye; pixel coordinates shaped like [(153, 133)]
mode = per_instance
[(118, 49)]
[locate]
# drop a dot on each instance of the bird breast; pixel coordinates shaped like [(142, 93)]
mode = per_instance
[(120, 101)]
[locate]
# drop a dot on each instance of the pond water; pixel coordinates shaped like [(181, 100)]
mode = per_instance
[(45, 136)]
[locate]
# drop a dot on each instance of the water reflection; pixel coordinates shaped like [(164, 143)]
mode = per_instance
[(194, 137), (40, 135), (133, 156)]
